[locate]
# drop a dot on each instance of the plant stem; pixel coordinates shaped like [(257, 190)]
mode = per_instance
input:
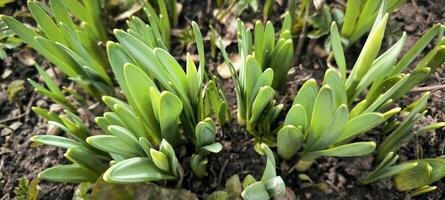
[(304, 164), (302, 35), (241, 120)]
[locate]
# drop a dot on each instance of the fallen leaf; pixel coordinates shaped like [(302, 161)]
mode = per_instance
[(223, 69), (14, 88), (26, 58), (130, 12)]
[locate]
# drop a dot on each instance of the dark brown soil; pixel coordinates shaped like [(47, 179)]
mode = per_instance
[(331, 178)]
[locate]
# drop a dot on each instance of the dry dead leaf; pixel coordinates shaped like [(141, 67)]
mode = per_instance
[(130, 12), (26, 58), (223, 69)]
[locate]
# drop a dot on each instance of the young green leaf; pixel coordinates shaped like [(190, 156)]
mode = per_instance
[(135, 170)]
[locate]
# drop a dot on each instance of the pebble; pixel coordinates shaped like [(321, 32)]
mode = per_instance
[(6, 132), (55, 107), (15, 125), (53, 130), (41, 103), (6, 73)]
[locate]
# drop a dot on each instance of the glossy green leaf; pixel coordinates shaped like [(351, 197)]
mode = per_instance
[(289, 141), (265, 79), (270, 170), (422, 190), (382, 66), (118, 58), (146, 146), (198, 164), (54, 140), (305, 97), (322, 113), (347, 150), (281, 63), (133, 122), (61, 14), (415, 78), (200, 47), (388, 94), (256, 190), (126, 137), (430, 127), (403, 131), (351, 15), (170, 107), (333, 79), (417, 176), (417, 48), (335, 128), (113, 119), (160, 160), (393, 170), (85, 158), (368, 53), (253, 73), (48, 115), (193, 83), (134, 170), (69, 174), (360, 124), (113, 144), (168, 150), (275, 186), (45, 22), (337, 47), (265, 95), (214, 148), (205, 133), (297, 117)]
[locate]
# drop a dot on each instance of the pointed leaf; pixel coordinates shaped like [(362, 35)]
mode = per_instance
[(69, 174), (289, 141), (134, 170)]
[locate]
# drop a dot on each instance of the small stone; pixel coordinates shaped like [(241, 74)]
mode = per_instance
[(55, 108), (15, 125), (50, 73), (26, 58), (6, 73), (53, 130), (41, 103), (6, 131)]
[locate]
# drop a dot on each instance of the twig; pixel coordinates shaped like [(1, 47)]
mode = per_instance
[(302, 35), (209, 6), (428, 88), (222, 171), (28, 107), (12, 118), (26, 113)]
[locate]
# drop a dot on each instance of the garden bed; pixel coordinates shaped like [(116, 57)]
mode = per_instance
[(331, 178)]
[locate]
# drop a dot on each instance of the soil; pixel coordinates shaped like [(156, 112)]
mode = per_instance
[(331, 178)]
